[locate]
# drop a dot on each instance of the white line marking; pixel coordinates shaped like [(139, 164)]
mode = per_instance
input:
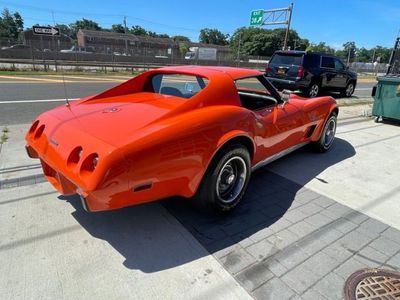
[(363, 89), (36, 101)]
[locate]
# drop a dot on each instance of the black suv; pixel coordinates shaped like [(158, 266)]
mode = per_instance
[(310, 72)]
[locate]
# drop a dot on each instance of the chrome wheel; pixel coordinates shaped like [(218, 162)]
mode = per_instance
[(349, 90), (314, 90), (231, 179), (329, 132)]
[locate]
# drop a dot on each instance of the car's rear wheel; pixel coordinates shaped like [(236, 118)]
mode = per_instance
[(313, 90), (348, 90), (328, 135), (226, 180)]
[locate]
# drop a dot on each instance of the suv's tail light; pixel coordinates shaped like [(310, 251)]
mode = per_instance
[(300, 72)]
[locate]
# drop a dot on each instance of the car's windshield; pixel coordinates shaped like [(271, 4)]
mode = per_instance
[(287, 59), (179, 85)]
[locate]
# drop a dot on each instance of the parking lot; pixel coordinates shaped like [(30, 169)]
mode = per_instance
[(307, 222)]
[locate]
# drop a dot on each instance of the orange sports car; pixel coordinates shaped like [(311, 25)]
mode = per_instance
[(195, 132)]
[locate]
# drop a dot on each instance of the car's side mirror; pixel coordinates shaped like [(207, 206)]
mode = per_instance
[(286, 95)]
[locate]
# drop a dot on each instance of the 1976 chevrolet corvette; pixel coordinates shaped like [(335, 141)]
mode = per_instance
[(191, 131)]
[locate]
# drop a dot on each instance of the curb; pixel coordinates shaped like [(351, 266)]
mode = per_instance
[(22, 181)]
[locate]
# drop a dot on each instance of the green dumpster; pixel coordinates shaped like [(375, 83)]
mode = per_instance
[(387, 97)]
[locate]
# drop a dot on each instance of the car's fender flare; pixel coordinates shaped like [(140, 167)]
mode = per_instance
[(317, 133), (235, 135), (227, 138)]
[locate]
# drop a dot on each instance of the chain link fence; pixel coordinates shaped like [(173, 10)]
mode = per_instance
[(49, 53)]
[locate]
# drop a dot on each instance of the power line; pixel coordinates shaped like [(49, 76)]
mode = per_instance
[(32, 7)]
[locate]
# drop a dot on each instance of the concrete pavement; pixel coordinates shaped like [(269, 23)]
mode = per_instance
[(308, 221)]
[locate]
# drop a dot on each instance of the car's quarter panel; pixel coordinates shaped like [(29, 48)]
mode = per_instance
[(173, 161)]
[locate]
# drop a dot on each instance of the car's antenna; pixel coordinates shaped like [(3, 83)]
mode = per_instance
[(62, 72)]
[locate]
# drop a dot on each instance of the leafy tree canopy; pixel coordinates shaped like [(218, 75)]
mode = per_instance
[(84, 24), (264, 42), (213, 36), (11, 24), (118, 28)]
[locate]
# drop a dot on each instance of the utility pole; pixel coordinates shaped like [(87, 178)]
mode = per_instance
[(273, 17), (288, 26), (126, 38), (348, 56), (238, 53)]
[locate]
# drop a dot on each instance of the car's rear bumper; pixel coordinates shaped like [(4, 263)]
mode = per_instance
[(282, 84)]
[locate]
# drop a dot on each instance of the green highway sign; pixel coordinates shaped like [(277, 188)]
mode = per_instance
[(257, 17)]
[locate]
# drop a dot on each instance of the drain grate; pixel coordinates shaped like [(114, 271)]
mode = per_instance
[(368, 284)]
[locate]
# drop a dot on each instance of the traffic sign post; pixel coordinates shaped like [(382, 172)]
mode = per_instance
[(257, 17), (44, 30), (275, 16)]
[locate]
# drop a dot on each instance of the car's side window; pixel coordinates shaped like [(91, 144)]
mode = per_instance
[(327, 62), (339, 65), (253, 94), (178, 85)]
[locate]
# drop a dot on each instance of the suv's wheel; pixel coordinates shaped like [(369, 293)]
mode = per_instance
[(226, 180), (328, 135), (348, 90), (313, 90)]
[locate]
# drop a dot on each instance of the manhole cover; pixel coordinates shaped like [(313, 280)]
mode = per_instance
[(368, 284)]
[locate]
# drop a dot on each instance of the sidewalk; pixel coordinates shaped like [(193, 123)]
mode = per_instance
[(51, 249), (308, 221)]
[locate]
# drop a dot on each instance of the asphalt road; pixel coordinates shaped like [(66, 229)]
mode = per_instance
[(28, 89)]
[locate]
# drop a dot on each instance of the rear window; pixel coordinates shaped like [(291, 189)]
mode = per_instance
[(179, 85), (287, 59)]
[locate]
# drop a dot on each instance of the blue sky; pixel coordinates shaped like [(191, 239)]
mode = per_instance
[(367, 22)]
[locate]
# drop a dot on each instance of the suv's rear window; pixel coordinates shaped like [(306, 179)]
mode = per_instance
[(287, 59)]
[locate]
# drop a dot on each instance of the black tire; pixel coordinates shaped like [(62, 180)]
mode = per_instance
[(232, 160), (348, 90), (326, 140), (313, 90)]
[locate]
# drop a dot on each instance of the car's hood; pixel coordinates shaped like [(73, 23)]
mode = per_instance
[(114, 120)]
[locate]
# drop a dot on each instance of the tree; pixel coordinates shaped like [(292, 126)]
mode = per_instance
[(65, 29), (364, 55), (180, 38), (321, 47), (183, 47), (119, 28), (382, 54), (213, 36), (350, 49), (10, 24), (84, 24), (138, 30), (264, 42)]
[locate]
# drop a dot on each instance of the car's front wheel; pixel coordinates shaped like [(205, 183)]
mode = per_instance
[(328, 135), (226, 180)]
